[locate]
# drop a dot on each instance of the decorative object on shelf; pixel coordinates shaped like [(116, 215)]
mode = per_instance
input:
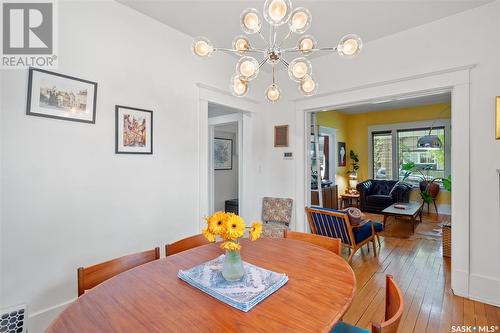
[(281, 136), (223, 154), (353, 173), (498, 118), (134, 130), (256, 285), (230, 228), (341, 154), (277, 13), (59, 96)]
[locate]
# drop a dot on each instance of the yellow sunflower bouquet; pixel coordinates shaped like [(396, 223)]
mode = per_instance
[(230, 228)]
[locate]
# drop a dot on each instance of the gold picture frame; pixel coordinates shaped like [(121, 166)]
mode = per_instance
[(498, 119), (281, 136)]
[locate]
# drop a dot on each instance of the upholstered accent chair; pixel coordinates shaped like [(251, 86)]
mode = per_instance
[(377, 195), (335, 224), (276, 215)]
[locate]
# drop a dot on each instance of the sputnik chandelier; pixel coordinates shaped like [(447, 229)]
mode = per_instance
[(276, 13)]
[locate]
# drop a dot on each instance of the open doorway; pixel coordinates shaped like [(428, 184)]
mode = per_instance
[(225, 135)]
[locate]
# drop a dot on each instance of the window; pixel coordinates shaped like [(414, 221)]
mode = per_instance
[(393, 145)]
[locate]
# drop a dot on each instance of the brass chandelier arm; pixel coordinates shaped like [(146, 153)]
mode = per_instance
[(262, 62), (295, 49), (252, 50), (284, 62)]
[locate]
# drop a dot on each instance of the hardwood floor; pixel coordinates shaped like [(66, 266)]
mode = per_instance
[(423, 275)]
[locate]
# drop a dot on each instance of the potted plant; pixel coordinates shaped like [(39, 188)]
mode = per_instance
[(353, 173), (429, 188)]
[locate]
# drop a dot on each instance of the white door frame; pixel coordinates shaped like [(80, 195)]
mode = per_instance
[(221, 120), (204, 95), (332, 133), (456, 80)]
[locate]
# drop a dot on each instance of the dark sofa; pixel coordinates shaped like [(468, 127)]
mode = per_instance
[(375, 195)]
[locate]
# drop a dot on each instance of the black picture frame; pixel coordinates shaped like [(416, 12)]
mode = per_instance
[(231, 154), (341, 158), (117, 132), (29, 110)]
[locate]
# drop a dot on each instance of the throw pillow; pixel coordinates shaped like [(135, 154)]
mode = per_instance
[(355, 216)]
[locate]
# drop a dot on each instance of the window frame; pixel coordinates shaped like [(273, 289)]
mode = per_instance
[(417, 125)]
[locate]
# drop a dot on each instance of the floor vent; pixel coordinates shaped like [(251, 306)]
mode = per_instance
[(12, 319)]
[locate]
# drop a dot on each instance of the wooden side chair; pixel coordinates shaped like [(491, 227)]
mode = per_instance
[(331, 244), (394, 306), (185, 244), (335, 224), (91, 276)]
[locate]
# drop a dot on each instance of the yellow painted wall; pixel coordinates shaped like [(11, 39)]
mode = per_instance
[(353, 129)]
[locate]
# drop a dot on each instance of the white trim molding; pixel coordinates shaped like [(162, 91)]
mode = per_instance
[(456, 80)]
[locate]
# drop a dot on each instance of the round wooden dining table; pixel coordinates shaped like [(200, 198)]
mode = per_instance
[(151, 298)]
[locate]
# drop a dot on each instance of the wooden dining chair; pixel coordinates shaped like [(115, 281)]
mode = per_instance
[(394, 306), (331, 244), (91, 276), (185, 244), (335, 224)]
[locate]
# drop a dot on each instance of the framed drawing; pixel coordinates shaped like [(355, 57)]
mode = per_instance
[(281, 136), (134, 130), (497, 132), (223, 154), (59, 96), (342, 154)]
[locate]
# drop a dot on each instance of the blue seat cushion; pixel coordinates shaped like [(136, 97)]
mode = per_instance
[(342, 327), (365, 231)]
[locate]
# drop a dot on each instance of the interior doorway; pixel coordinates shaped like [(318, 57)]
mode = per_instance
[(225, 158)]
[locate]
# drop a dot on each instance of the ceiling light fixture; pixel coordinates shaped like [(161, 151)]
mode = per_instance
[(276, 13)]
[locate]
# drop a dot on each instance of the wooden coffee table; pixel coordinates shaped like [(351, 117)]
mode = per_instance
[(412, 210), (350, 199)]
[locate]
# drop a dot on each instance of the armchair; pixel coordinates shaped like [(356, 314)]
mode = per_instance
[(376, 195)]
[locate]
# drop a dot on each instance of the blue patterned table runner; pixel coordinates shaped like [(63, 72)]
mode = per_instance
[(255, 286)]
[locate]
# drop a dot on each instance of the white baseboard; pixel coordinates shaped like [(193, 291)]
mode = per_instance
[(459, 283), (39, 321), (444, 209), (485, 289)]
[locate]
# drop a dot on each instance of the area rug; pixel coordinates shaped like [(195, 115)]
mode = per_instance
[(402, 229)]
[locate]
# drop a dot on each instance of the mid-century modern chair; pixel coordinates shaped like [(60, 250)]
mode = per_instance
[(394, 306), (335, 224), (91, 276), (276, 215), (331, 244), (185, 244)]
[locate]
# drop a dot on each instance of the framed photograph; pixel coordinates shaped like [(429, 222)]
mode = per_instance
[(59, 96), (134, 130), (281, 136), (342, 154), (223, 154), (497, 132)]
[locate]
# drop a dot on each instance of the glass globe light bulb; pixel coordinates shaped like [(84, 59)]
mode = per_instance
[(299, 68), (247, 67), (202, 47), (251, 21), (300, 20), (239, 86), (306, 43), (277, 12), (273, 93), (241, 44), (308, 86), (350, 46)]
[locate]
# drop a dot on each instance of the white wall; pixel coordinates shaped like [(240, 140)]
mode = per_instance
[(471, 37), (226, 181), (67, 199)]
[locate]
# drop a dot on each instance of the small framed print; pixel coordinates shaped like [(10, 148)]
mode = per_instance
[(497, 132), (134, 130), (341, 154), (223, 154), (281, 136), (58, 96)]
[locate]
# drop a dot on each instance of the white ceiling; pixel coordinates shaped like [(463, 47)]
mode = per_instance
[(402, 103), (215, 110), (219, 20)]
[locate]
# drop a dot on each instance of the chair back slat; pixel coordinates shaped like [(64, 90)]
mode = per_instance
[(330, 224), (394, 307), (331, 244), (185, 244), (91, 276)]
